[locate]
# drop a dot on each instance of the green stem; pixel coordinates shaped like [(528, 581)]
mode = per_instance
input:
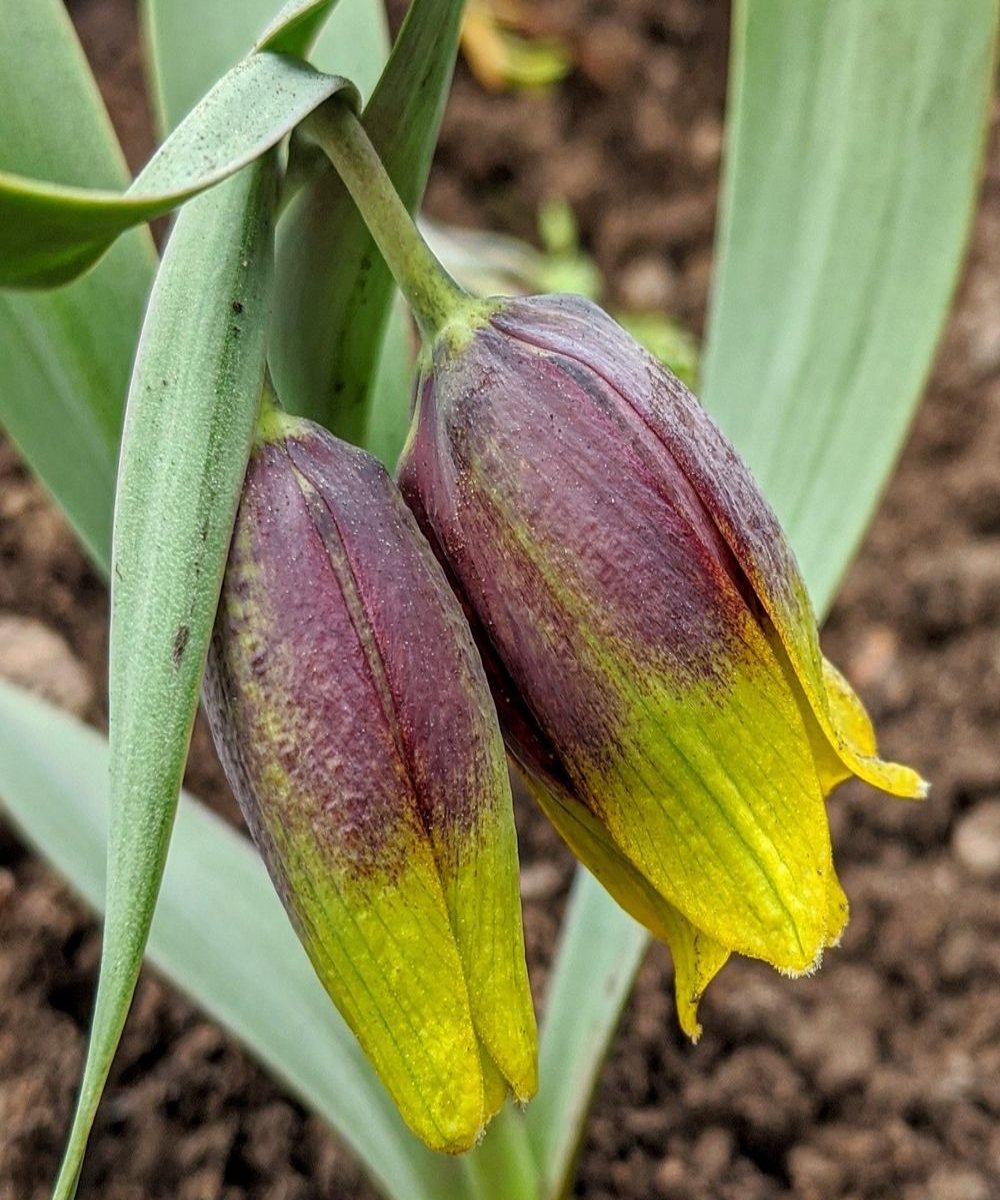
[(502, 1166), (431, 293)]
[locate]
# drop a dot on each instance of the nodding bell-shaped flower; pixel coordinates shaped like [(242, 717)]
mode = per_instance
[(354, 721), (650, 641)]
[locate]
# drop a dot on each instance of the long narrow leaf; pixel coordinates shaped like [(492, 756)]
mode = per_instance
[(191, 44), (51, 233), (66, 355), (855, 133), (295, 27), (391, 387), (188, 427), (334, 292), (600, 951), (855, 139), (219, 933)]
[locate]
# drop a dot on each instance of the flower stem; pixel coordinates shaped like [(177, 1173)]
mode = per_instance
[(429, 290)]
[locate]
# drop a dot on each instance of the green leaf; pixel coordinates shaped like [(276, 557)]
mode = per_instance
[(854, 139), (188, 427), (191, 44), (854, 143), (333, 291), (391, 388), (51, 233), (354, 43), (340, 37), (74, 346), (219, 933), (66, 355), (600, 950), (295, 27)]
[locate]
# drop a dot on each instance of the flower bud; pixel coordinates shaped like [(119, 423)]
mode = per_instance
[(354, 721), (648, 636)]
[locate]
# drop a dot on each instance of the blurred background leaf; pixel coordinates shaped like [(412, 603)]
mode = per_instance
[(854, 141), (505, 54)]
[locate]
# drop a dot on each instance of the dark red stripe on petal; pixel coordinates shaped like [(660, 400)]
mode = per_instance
[(299, 686), (540, 464), (723, 482), (444, 717)]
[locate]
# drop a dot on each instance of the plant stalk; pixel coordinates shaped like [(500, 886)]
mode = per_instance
[(432, 294)]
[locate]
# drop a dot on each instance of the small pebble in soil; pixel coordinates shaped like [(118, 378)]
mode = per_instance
[(540, 880), (648, 283), (976, 840), (950, 1183), (36, 658)]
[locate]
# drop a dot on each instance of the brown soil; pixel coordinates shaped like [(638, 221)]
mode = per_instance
[(878, 1078)]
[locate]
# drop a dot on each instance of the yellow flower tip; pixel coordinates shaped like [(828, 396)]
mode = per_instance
[(523, 1091), (803, 972), (902, 782), (446, 1131), (853, 741), (687, 1015), (836, 927), (495, 1088), (461, 1143)]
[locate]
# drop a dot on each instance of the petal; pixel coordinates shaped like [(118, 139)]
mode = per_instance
[(311, 688), (719, 806), (855, 740), (697, 958), (730, 495), (606, 592), (453, 746)]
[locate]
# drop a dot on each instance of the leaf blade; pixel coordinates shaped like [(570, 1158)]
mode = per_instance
[(51, 233), (353, 42), (839, 246), (66, 355), (185, 445)]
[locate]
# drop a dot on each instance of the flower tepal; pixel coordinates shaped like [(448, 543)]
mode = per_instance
[(353, 718), (648, 635)]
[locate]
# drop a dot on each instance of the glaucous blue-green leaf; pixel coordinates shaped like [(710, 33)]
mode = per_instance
[(190, 45), (854, 143), (219, 933), (601, 944), (51, 233), (66, 355), (389, 420), (855, 132), (333, 291), (186, 440)]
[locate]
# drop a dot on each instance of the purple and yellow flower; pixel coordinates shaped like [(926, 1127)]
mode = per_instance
[(647, 633), (355, 724)]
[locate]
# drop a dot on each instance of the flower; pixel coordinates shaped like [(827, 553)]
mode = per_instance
[(355, 724), (648, 637)]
